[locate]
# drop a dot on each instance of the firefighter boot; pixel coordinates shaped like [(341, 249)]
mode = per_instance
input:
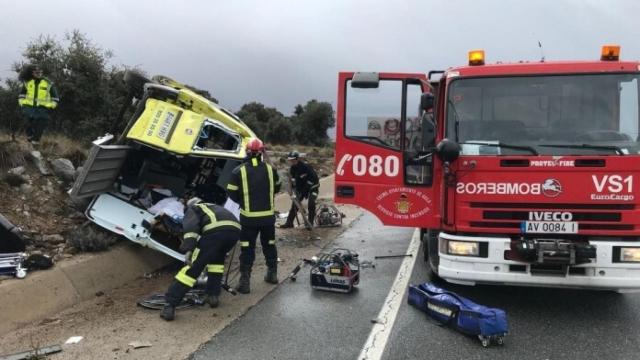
[(168, 312), (245, 276), (212, 300), (272, 274)]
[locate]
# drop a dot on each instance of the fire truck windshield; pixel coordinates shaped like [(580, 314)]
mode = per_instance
[(548, 115)]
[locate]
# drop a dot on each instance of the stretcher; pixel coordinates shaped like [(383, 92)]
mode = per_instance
[(11, 264), (488, 324)]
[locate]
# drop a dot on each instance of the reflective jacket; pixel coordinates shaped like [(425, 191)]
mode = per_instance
[(38, 93), (253, 185), (305, 178), (203, 219)]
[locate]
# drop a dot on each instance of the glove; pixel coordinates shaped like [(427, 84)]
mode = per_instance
[(188, 245), (187, 258)]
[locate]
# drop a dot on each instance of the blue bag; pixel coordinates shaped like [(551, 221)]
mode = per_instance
[(459, 312)]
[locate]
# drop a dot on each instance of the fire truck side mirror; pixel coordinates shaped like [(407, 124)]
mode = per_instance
[(448, 150), (365, 80)]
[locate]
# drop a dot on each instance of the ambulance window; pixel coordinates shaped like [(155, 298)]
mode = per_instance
[(374, 115), (215, 138)]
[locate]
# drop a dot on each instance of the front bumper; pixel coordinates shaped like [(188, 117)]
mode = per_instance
[(601, 274)]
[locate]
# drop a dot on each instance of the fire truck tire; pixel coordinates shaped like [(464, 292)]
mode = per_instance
[(430, 253)]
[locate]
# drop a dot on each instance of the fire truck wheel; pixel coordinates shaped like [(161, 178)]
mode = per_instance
[(430, 252)]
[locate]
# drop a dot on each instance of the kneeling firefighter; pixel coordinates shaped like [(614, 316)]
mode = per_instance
[(253, 185), (210, 231)]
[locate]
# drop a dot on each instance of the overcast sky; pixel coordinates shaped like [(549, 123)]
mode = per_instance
[(285, 52)]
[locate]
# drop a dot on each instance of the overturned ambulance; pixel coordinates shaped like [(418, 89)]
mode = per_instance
[(177, 143)]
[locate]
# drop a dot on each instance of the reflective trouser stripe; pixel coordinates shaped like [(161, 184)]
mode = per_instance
[(184, 278), (244, 244), (272, 242), (221, 223), (215, 268), (232, 187)]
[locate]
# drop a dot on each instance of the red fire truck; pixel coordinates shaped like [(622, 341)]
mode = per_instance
[(516, 173)]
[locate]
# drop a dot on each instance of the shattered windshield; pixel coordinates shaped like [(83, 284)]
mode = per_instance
[(548, 115)]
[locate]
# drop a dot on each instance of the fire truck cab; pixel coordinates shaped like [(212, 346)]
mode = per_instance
[(517, 174)]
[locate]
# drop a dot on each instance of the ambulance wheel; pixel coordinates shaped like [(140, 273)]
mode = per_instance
[(485, 342), (162, 93), (500, 340), (135, 82)]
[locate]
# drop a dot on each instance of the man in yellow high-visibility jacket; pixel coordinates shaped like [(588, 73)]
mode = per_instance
[(37, 98)]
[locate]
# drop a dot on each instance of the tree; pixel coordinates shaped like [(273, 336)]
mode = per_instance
[(267, 123), (91, 91), (312, 121), (9, 115)]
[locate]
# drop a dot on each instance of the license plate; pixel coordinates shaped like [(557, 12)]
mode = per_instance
[(166, 126), (549, 227)]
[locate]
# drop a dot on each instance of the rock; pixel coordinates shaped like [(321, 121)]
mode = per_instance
[(53, 239), (63, 168), (26, 189), (36, 158), (17, 170)]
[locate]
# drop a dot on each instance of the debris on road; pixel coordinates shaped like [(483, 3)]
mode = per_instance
[(73, 340), (367, 264), (33, 354), (140, 344), (488, 324), (158, 301)]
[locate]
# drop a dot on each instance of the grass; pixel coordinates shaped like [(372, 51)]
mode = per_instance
[(60, 146), (12, 153)]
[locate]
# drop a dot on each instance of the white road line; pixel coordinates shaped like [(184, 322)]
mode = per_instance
[(377, 341)]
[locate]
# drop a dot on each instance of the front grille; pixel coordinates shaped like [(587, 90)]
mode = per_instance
[(524, 215), (596, 217)]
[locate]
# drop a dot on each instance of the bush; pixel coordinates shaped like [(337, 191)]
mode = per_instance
[(13, 154), (60, 146)]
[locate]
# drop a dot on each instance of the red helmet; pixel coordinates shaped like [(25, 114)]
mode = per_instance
[(255, 146)]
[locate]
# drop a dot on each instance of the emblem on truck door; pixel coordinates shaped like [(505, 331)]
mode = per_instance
[(551, 188)]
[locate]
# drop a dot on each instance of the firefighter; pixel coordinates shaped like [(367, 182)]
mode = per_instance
[(253, 185), (306, 185), (38, 97), (210, 231)]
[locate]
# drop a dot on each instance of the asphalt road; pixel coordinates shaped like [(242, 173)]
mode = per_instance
[(297, 322)]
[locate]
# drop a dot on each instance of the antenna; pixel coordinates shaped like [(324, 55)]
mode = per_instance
[(541, 51)]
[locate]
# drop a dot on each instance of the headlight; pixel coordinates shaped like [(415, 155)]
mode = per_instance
[(630, 254), (463, 248)]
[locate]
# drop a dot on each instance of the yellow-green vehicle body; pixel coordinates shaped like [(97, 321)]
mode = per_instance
[(189, 124)]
